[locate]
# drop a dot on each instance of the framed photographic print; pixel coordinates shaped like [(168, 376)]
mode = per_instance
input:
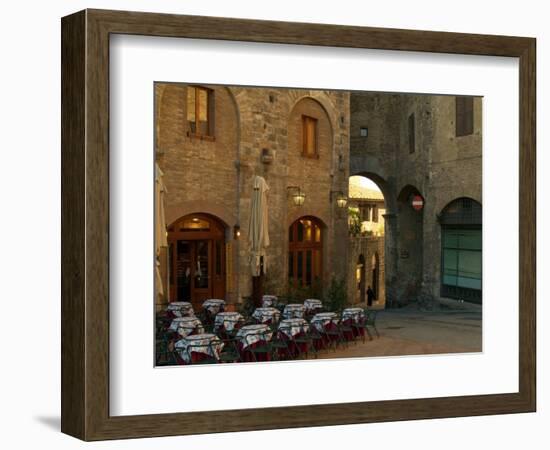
[(273, 225)]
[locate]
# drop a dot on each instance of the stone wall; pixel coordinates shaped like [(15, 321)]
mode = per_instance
[(258, 132), (442, 167)]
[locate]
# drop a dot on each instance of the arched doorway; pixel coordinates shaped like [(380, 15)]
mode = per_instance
[(360, 272), (305, 252), (461, 250), (197, 258)]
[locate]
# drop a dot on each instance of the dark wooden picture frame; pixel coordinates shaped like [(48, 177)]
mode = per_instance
[(85, 224)]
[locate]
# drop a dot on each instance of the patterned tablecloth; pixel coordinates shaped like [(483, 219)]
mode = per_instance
[(292, 327), (208, 344), (355, 314), (214, 305), (180, 309), (228, 320), (269, 300), (265, 315), (184, 326), (311, 304), (250, 334), (294, 311), (321, 320)]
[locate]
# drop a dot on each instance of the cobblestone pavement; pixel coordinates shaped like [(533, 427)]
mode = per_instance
[(414, 332)]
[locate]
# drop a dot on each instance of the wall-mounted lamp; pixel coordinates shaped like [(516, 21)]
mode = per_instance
[(341, 199), (298, 197), (236, 231)]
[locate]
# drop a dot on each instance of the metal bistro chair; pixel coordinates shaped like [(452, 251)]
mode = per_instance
[(336, 335), (163, 355), (370, 321), (316, 339), (307, 340), (265, 348), (279, 345), (230, 351), (207, 359)]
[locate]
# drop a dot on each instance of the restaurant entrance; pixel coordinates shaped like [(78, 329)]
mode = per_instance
[(197, 259)]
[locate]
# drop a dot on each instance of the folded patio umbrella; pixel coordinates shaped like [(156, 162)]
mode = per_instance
[(258, 235)]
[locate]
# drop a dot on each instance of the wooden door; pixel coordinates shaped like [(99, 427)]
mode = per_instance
[(197, 256)]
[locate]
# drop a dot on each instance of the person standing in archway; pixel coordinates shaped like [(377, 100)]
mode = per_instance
[(370, 296)]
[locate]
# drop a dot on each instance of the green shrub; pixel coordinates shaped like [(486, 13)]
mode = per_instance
[(337, 296)]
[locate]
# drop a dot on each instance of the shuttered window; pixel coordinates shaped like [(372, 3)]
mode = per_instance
[(412, 141), (200, 112), (309, 137), (464, 116)]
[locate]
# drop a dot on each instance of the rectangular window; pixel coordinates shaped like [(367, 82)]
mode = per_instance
[(412, 143), (309, 136), (364, 132), (374, 214), (200, 111), (464, 116)]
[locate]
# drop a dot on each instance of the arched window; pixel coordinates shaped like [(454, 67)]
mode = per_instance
[(461, 250), (305, 242)]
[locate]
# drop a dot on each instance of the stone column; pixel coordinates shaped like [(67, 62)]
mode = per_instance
[(390, 258)]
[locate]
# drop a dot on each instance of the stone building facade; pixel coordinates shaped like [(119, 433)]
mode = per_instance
[(428, 148), (211, 141)]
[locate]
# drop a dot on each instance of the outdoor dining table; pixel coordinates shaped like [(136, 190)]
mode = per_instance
[(312, 304), (294, 311), (214, 305), (180, 309), (185, 326), (196, 348), (269, 300), (323, 322), (266, 315), (251, 336), (290, 329), (227, 321), (355, 318)]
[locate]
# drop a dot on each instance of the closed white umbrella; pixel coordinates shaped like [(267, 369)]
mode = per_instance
[(160, 225), (258, 235), (160, 222), (159, 279)]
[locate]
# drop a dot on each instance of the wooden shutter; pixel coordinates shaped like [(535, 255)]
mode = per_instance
[(412, 143), (464, 116), (309, 136)]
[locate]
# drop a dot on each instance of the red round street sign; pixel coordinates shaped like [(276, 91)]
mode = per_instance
[(417, 202)]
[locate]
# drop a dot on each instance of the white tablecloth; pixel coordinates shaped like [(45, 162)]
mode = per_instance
[(269, 300), (321, 320), (228, 320), (266, 314), (186, 325), (294, 311), (213, 305), (355, 314), (250, 334), (181, 309), (311, 304), (292, 327), (209, 344)]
